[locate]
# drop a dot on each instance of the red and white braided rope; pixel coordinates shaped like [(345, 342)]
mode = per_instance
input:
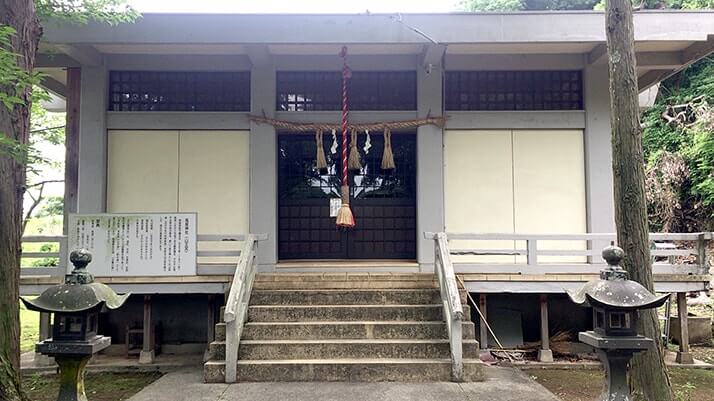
[(345, 77)]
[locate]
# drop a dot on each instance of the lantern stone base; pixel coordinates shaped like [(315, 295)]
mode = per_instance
[(72, 358), (615, 354), (58, 348)]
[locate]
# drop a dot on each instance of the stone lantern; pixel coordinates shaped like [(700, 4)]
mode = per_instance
[(615, 301), (76, 305)]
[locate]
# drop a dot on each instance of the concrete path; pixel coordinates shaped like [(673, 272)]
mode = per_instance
[(502, 384)]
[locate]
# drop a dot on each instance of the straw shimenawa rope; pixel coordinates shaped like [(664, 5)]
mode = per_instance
[(296, 127), (387, 155), (320, 159), (354, 163)]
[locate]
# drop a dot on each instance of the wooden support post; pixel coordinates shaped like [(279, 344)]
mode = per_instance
[(211, 327), (45, 332), (532, 250), (147, 350), (71, 158), (483, 331), (702, 258), (683, 356), (545, 354)]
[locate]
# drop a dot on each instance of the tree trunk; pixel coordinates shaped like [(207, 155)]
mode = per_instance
[(14, 124), (648, 375)]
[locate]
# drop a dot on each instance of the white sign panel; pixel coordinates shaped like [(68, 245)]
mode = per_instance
[(152, 244), (335, 204)]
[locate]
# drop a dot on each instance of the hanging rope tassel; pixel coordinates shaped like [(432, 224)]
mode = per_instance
[(387, 155), (354, 161), (345, 219), (320, 160)]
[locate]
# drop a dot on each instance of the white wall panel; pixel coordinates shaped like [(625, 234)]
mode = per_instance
[(520, 181), (478, 178), (549, 187), (213, 179), (142, 171), (214, 182)]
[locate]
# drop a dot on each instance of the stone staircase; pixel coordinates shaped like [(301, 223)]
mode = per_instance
[(344, 327)]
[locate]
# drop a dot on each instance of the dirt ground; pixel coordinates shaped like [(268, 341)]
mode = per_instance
[(98, 386), (587, 384)]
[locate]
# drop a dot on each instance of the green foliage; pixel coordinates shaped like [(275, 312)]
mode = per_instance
[(47, 262), (550, 5), (701, 160), (681, 123), (53, 206), (83, 11), (13, 78), (491, 5)]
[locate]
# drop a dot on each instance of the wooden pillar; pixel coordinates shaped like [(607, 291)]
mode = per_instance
[(147, 350), (211, 327), (71, 158), (545, 354), (483, 331), (683, 356), (45, 332)]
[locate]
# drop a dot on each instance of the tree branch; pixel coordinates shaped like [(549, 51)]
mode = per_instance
[(41, 183)]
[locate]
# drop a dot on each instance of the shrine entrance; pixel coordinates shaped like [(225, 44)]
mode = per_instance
[(383, 201)]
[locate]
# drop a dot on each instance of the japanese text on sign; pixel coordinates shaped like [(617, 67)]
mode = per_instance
[(136, 244)]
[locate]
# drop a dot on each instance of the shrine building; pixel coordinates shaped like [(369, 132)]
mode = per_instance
[(488, 131)]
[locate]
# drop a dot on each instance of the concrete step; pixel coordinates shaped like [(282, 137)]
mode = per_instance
[(304, 281), (347, 297), (293, 313), (346, 276), (364, 370), (343, 349), (345, 330), (343, 285)]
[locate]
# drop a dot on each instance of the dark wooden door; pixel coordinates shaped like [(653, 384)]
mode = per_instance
[(383, 202)]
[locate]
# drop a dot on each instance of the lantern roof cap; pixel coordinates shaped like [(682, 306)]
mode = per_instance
[(79, 292), (614, 289)]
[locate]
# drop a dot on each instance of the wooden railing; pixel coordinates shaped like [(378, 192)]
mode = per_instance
[(672, 253), (57, 257), (451, 301), (209, 259), (236, 310)]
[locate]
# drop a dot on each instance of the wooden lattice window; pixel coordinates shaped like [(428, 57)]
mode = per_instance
[(368, 90), (513, 90), (179, 91)]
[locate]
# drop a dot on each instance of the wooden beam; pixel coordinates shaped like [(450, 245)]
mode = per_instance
[(684, 356), (55, 60), (54, 86), (598, 54), (652, 77), (689, 56), (84, 55), (71, 158), (147, 350), (660, 60), (432, 56), (482, 329), (259, 55), (545, 354), (698, 50)]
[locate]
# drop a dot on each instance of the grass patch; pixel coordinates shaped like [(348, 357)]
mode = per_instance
[(98, 386), (586, 385), (29, 328)]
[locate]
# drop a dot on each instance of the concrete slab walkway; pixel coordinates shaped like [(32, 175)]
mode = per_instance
[(502, 384)]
